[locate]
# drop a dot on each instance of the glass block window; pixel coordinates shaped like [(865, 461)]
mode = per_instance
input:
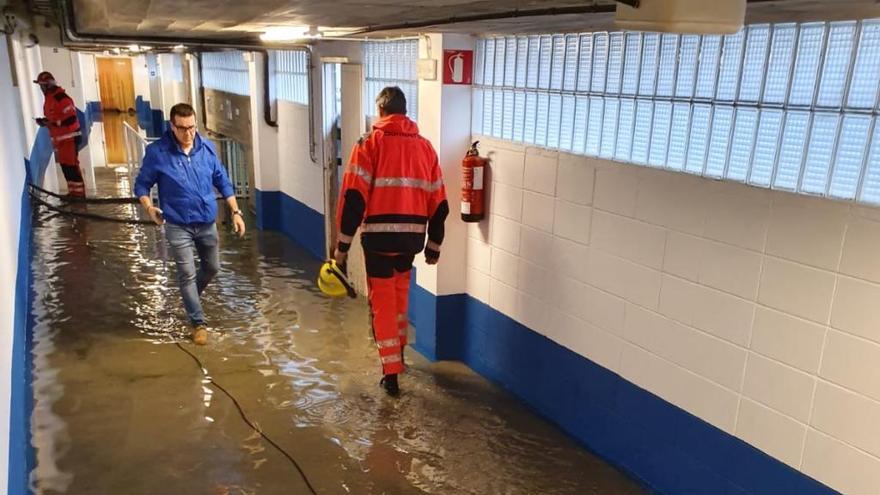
[(393, 63), (289, 75), (226, 71), (784, 106)]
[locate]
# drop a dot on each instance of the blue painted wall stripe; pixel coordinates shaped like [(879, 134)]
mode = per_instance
[(150, 119), (268, 210), (21, 454), (305, 226), (663, 446)]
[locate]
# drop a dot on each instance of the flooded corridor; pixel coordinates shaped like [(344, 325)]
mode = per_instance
[(125, 404)]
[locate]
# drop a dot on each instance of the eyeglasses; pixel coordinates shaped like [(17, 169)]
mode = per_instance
[(191, 128)]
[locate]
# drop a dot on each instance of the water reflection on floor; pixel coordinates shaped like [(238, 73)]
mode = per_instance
[(120, 409)]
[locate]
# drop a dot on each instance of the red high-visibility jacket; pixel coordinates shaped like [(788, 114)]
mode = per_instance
[(60, 111), (393, 189)]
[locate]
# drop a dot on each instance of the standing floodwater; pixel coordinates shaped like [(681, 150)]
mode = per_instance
[(120, 408)]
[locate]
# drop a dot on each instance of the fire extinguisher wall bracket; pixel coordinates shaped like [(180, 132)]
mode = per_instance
[(473, 194)]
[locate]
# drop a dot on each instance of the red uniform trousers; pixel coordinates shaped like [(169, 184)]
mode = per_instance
[(68, 158), (388, 277)]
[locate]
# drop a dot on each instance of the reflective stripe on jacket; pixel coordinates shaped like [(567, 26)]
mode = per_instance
[(60, 111), (393, 189)]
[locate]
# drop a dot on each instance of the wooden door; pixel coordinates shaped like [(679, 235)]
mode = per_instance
[(116, 82)]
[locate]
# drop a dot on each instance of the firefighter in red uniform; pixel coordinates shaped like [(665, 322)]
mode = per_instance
[(393, 191), (60, 117)]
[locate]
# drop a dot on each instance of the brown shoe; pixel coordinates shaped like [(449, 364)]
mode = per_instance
[(200, 335)]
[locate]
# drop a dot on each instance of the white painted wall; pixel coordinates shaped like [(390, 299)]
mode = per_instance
[(12, 177), (195, 83), (173, 91), (28, 64), (141, 77), (94, 153), (265, 138), (59, 61), (284, 162), (754, 310), (444, 119), (298, 177), (156, 94)]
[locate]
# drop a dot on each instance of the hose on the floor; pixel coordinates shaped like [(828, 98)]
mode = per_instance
[(248, 421), (93, 216), (73, 199), (111, 201), (241, 412), (84, 214)]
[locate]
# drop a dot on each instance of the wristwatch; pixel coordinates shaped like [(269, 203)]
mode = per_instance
[(239, 213)]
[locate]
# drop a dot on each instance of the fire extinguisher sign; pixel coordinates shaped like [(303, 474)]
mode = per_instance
[(458, 66)]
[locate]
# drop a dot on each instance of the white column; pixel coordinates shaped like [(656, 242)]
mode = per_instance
[(156, 95), (264, 138), (445, 119), (88, 71)]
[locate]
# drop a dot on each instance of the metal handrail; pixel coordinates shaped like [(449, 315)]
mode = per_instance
[(135, 147), (232, 155), (234, 160)]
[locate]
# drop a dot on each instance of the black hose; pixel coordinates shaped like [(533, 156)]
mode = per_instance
[(83, 214), (106, 201), (248, 421), (231, 397), (72, 199)]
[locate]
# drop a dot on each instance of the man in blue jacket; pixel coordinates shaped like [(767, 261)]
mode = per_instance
[(186, 167)]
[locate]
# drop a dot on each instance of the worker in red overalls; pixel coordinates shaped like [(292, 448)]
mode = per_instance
[(60, 117), (393, 191)]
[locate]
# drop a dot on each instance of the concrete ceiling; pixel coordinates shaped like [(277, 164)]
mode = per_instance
[(231, 19)]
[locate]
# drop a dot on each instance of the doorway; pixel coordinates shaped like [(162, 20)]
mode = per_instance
[(116, 82), (343, 117)]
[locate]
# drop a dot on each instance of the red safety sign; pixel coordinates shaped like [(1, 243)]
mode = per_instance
[(458, 66)]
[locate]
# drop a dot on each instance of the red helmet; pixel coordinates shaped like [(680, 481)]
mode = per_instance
[(45, 78)]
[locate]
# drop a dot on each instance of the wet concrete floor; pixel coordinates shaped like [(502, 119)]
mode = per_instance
[(123, 405)]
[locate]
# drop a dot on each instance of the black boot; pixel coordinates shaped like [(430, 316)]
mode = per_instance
[(389, 382)]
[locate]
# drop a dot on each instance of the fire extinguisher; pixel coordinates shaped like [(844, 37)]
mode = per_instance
[(473, 170)]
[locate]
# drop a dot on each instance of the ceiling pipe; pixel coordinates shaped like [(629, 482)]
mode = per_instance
[(267, 101), (494, 16), (71, 38), (632, 3), (592, 8)]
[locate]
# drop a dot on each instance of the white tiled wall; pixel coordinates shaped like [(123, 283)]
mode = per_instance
[(758, 311)]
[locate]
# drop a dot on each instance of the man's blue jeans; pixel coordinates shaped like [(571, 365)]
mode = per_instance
[(185, 241)]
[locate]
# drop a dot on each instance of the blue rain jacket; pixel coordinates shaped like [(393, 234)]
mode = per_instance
[(186, 183)]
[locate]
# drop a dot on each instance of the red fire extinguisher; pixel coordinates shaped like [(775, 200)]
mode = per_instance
[(473, 170)]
